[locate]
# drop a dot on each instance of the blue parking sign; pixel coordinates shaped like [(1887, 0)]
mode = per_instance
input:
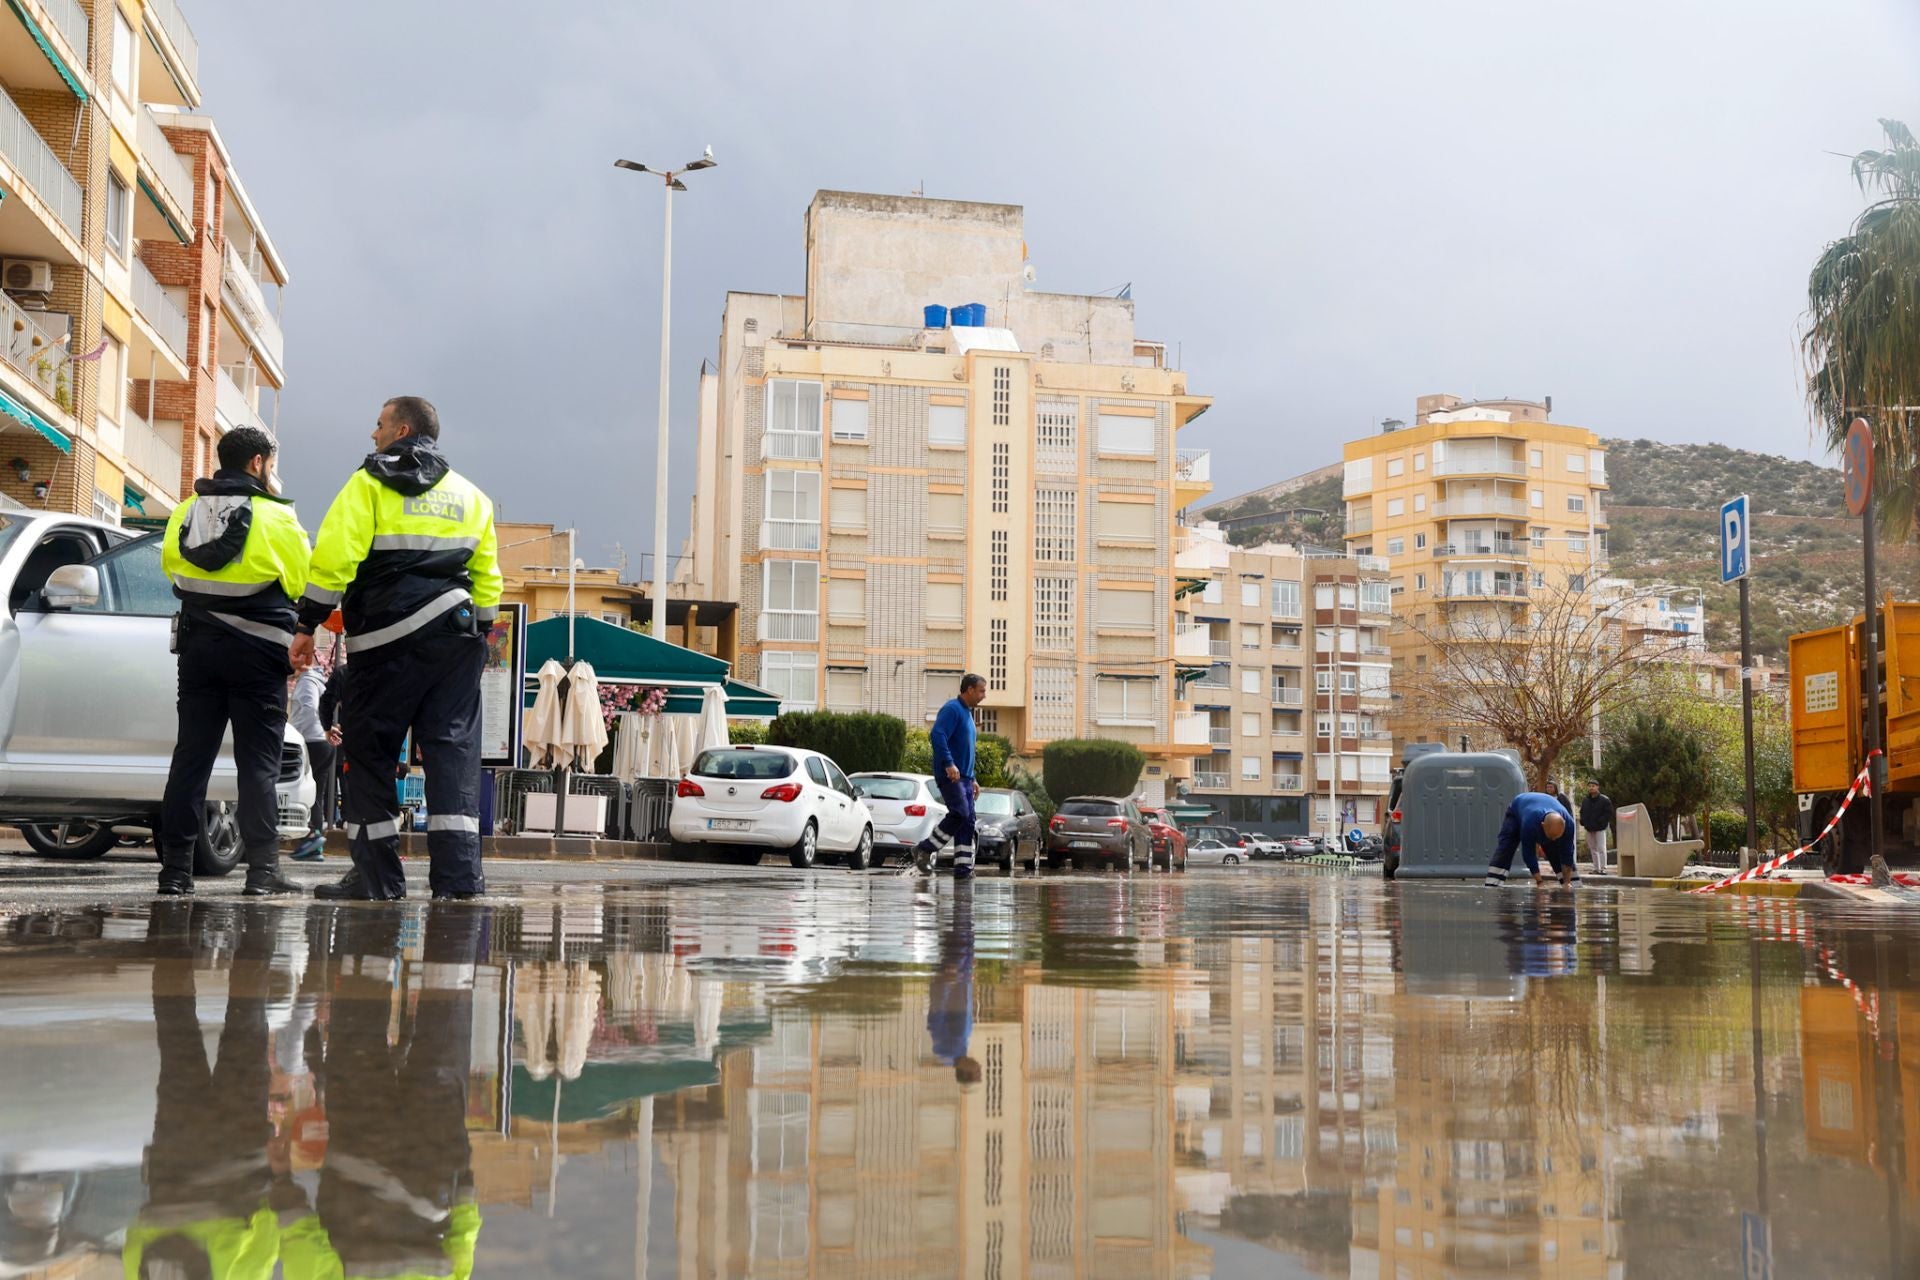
[(1735, 542)]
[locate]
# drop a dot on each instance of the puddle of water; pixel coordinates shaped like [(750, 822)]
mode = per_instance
[(1274, 1075)]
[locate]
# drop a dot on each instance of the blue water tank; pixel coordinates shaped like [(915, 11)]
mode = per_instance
[(936, 315), (977, 314), (961, 316)]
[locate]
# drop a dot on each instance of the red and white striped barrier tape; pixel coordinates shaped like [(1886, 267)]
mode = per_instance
[(1769, 915), (1860, 786)]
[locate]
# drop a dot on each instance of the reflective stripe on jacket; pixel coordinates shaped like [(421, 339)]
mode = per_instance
[(237, 556)]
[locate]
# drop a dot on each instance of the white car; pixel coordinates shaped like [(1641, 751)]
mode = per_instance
[(906, 808), (751, 799), (1213, 853)]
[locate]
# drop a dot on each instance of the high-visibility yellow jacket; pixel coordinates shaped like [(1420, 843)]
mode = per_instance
[(238, 557), (236, 1248), (309, 1253), (406, 542)]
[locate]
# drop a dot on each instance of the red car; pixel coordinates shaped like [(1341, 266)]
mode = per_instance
[(1169, 846)]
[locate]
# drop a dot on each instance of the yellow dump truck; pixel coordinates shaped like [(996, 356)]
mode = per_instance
[(1827, 706)]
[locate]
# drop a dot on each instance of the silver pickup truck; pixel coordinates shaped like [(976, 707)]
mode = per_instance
[(87, 686)]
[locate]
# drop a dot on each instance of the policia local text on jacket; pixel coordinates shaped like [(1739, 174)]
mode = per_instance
[(238, 559), (407, 551)]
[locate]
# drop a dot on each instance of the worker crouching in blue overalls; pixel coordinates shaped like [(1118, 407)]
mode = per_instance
[(1535, 820)]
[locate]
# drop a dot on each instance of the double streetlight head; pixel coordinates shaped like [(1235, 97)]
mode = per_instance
[(672, 176)]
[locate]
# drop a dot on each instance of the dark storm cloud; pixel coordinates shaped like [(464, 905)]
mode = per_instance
[(1330, 209)]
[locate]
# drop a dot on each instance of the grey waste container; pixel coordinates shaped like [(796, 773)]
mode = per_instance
[(1451, 807)]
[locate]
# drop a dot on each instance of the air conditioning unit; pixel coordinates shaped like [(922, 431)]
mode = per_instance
[(26, 275)]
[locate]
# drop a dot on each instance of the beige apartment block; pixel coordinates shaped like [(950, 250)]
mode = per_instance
[(1475, 508), (894, 502), (1287, 685)]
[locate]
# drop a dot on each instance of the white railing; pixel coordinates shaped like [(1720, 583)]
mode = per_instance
[(162, 312), (71, 21), (801, 446), (233, 402), (790, 535), (36, 164), (153, 454), (789, 626), (174, 23), (28, 347), (1288, 782), (1454, 508), (1210, 781), (250, 300), (1219, 648), (1190, 729), (1286, 695), (1212, 680), (1289, 609), (1372, 564), (168, 169), (1360, 521), (1191, 641), (1481, 466), (1195, 466), (1463, 591), (1220, 735), (1506, 548)]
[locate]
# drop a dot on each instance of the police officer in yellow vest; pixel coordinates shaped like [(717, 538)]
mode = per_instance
[(407, 552), (238, 559)]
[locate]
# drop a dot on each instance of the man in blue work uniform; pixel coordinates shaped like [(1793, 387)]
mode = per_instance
[(950, 995), (953, 740), (1534, 820)]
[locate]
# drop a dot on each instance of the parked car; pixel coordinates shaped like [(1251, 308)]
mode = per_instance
[(1260, 848), (1212, 853), (1102, 829), (87, 690), (749, 799), (906, 808), (1214, 831), (1169, 842), (1008, 829)]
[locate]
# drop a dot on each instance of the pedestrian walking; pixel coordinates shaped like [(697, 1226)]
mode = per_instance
[(238, 560), (407, 551), (309, 691), (1535, 821), (1596, 816), (950, 994), (953, 738)]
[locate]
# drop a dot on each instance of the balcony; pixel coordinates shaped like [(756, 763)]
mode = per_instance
[(38, 167), (1191, 641), (1220, 735), (169, 178), (1193, 467), (790, 446), (1216, 678), (1375, 651), (1190, 729), (1360, 519), (1287, 695), (1496, 548), (1474, 587), (69, 18), (1289, 782), (163, 315), (233, 393), (259, 325), (154, 453), (1288, 610), (30, 347), (170, 57), (1481, 466), (789, 626), (1208, 781), (1372, 564), (1477, 505), (790, 535)]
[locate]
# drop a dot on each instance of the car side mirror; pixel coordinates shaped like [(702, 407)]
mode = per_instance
[(72, 586)]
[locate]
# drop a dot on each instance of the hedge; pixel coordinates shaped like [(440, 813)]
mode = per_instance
[(857, 741), (1727, 831), (1091, 767), (991, 752)]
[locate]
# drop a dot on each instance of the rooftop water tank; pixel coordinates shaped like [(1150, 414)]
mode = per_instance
[(936, 315)]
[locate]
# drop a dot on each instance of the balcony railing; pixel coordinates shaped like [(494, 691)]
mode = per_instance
[(1193, 466), (31, 349), (1220, 648), (174, 23), (71, 21), (250, 300), (789, 626), (1286, 695), (1456, 508), (1482, 466), (153, 454), (1207, 781), (1220, 735), (38, 166), (232, 400), (801, 446), (1288, 609), (1190, 729), (157, 154), (790, 535), (1360, 521), (1450, 590), (1216, 678), (162, 312), (1288, 782), (1376, 651), (1506, 548)]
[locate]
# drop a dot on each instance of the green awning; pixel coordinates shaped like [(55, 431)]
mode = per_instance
[(619, 654), (1184, 587), (745, 701), (184, 237), (46, 47), (20, 413), (1184, 674), (135, 499)]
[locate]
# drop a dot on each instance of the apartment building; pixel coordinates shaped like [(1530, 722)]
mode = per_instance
[(896, 497), (1287, 685), (1476, 507), (126, 248)]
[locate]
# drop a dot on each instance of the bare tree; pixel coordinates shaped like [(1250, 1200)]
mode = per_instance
[(1531, 667)]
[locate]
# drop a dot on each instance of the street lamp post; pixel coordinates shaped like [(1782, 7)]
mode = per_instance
[(670, 179)]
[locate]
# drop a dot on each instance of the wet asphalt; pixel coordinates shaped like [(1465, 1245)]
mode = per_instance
[(680, 1070)]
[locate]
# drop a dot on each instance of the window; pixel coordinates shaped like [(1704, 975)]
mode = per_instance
[(947, 426), (1419, 502), (1375, 597), (1539, 580), (1536, 458), (132, 581), (846, 688), (946, 602), (124, 53), (1053, 613), (847, 599), (1002, 395), (1576, 542), (1131, 521), (113, 386), (1053, 703), (1122, 610), (1396, 586), (1419, 582), (1002, 477), (1250, 594), (792, 676), (1576, 582), (1122, 700), (1250, 680), (1577, 463), (793, 419), (850, 420), (1323, 595), (106, 507), (1396, 507), (1396, 467), (793, 511), (1576, 502), (1419, 542), (1539, 538), (119, 209), (1125, 433), (1249, 636), (997, 654), (1349, 682), (848, 509), (1286, 599), (791, 607), (1213, 592), (1056, 430), (1420, 461), (1250, 768), (998, 560), (1537, 499), (1054, 515), (1396, 546), (946, 513)]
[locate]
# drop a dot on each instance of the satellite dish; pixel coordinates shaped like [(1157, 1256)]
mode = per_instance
[(1030, 274)]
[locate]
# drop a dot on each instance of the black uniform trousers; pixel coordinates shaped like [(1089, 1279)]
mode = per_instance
[(429, 686), (322, 759), (226, 678)]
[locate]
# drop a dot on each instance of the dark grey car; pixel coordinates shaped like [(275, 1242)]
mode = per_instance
[(1007, 829), (1098, 829)]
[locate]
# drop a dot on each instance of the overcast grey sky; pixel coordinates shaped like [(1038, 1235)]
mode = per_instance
[(1331, 209)]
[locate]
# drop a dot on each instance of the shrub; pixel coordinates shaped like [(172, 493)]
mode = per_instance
[(991, 754), (747, 733), (1030, 786), (857, 741), (1091, 767), (1727, 831), (917, 755)]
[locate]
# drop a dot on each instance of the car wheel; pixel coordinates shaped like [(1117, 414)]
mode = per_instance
[(1389, 866), (682, 851), (803, 854), (76, 840), (862, 856), (218, 850), (1231, 860)]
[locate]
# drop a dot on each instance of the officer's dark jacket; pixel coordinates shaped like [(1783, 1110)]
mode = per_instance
[(237, 556)]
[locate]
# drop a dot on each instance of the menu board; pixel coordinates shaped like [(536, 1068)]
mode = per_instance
[(501, 682)]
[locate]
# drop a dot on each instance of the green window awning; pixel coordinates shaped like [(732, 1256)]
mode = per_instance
[(636, 658), (183, 236), (744, 701), (135, 499), (20, 413), (46, 46)]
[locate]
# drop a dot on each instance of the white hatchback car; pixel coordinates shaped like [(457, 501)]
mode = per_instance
[(751, 799), (906, 808)]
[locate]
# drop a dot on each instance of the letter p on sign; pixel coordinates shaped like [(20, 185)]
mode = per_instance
[(1734, 542)]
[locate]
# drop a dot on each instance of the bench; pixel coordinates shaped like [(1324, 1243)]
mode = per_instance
[(1641, 854)]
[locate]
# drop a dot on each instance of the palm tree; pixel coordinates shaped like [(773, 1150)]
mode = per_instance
[(1862, 337)]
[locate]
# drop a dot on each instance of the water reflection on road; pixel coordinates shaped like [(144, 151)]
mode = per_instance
[(1263, 1074)]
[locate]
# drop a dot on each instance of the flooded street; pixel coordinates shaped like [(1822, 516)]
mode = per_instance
[(1255, 1072)]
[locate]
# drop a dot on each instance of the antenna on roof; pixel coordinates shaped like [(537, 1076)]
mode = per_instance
[(921, 190)]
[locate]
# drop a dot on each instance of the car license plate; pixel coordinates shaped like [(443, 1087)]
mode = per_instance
[(729, 824), (1086, 844)]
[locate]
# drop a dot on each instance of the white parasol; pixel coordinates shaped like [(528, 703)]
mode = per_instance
[(541, 731), (584, 730), (629, 747), (711, 731)]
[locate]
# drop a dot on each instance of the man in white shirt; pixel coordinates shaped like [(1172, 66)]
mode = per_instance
[(304, 714)]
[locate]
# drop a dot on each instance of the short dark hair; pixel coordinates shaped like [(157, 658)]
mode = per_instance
[(417, 415), (241, 446), (970, 680)]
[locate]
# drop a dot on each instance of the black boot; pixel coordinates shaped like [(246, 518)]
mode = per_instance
[(265, 881), (175, 883), (351, 887)]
